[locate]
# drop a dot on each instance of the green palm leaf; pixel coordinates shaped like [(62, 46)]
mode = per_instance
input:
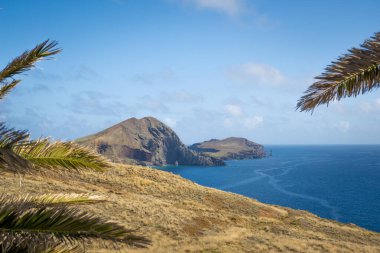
[(354, 73), (55, 199), (44, 227), (51, 248), (63, 249), (7, 87), (9, 139), (67, 199), (67, 155), (45, 223), (9, 161), (17, 153), (26, 61)]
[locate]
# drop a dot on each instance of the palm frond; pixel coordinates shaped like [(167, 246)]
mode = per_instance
[(53, 199), (62, 198), (66, 155), (26, 61), (52, 247), (24, 226), (9, 161), (10, 138), (6, 88), (61, 248), (354, 73)]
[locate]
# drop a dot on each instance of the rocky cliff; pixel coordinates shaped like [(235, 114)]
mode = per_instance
[(145, 141), (230, 148)]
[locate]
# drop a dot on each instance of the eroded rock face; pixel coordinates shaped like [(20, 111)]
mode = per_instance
[(147, 141), (230, 148)]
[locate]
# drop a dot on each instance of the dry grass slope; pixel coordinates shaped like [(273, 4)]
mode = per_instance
[(181, 216)]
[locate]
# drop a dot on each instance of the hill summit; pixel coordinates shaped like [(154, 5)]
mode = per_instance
[(145, 141)]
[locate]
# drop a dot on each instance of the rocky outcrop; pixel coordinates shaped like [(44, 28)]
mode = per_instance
[(230, 148), (145, 141)]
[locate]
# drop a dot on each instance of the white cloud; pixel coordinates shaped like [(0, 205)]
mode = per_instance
[(151, 104), (262, 20), (246, 122), (365, 106), (165, 75), (236, 117), (230, 7), (252, 122), (170, 121), (377, 103), (234, 8), (338, 106), (180, 96), (369, 107), (256, 73), (228, 123), (344, 126), (95, 103), (234, 110)]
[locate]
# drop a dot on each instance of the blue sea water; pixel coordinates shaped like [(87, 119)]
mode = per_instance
[(336, 182)]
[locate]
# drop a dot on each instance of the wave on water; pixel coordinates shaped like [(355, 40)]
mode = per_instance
[(274, 182)]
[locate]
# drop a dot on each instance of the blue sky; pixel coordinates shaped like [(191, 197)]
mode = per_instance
[(207, 68)]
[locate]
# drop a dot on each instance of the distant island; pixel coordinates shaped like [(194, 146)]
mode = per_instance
[(145, 141), (232, 148)]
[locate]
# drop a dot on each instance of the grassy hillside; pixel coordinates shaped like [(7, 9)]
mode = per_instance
[(181, 216)]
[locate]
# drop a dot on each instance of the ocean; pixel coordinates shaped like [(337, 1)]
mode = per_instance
[(340, 182)]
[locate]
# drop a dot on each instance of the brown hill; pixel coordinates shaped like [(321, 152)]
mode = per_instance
[(181, 216), (147, 141), (230, 148)]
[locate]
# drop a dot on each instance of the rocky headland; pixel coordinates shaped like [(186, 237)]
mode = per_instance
[(145, 141)]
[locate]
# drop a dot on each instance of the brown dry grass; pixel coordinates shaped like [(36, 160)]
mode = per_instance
[(181, 216)]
